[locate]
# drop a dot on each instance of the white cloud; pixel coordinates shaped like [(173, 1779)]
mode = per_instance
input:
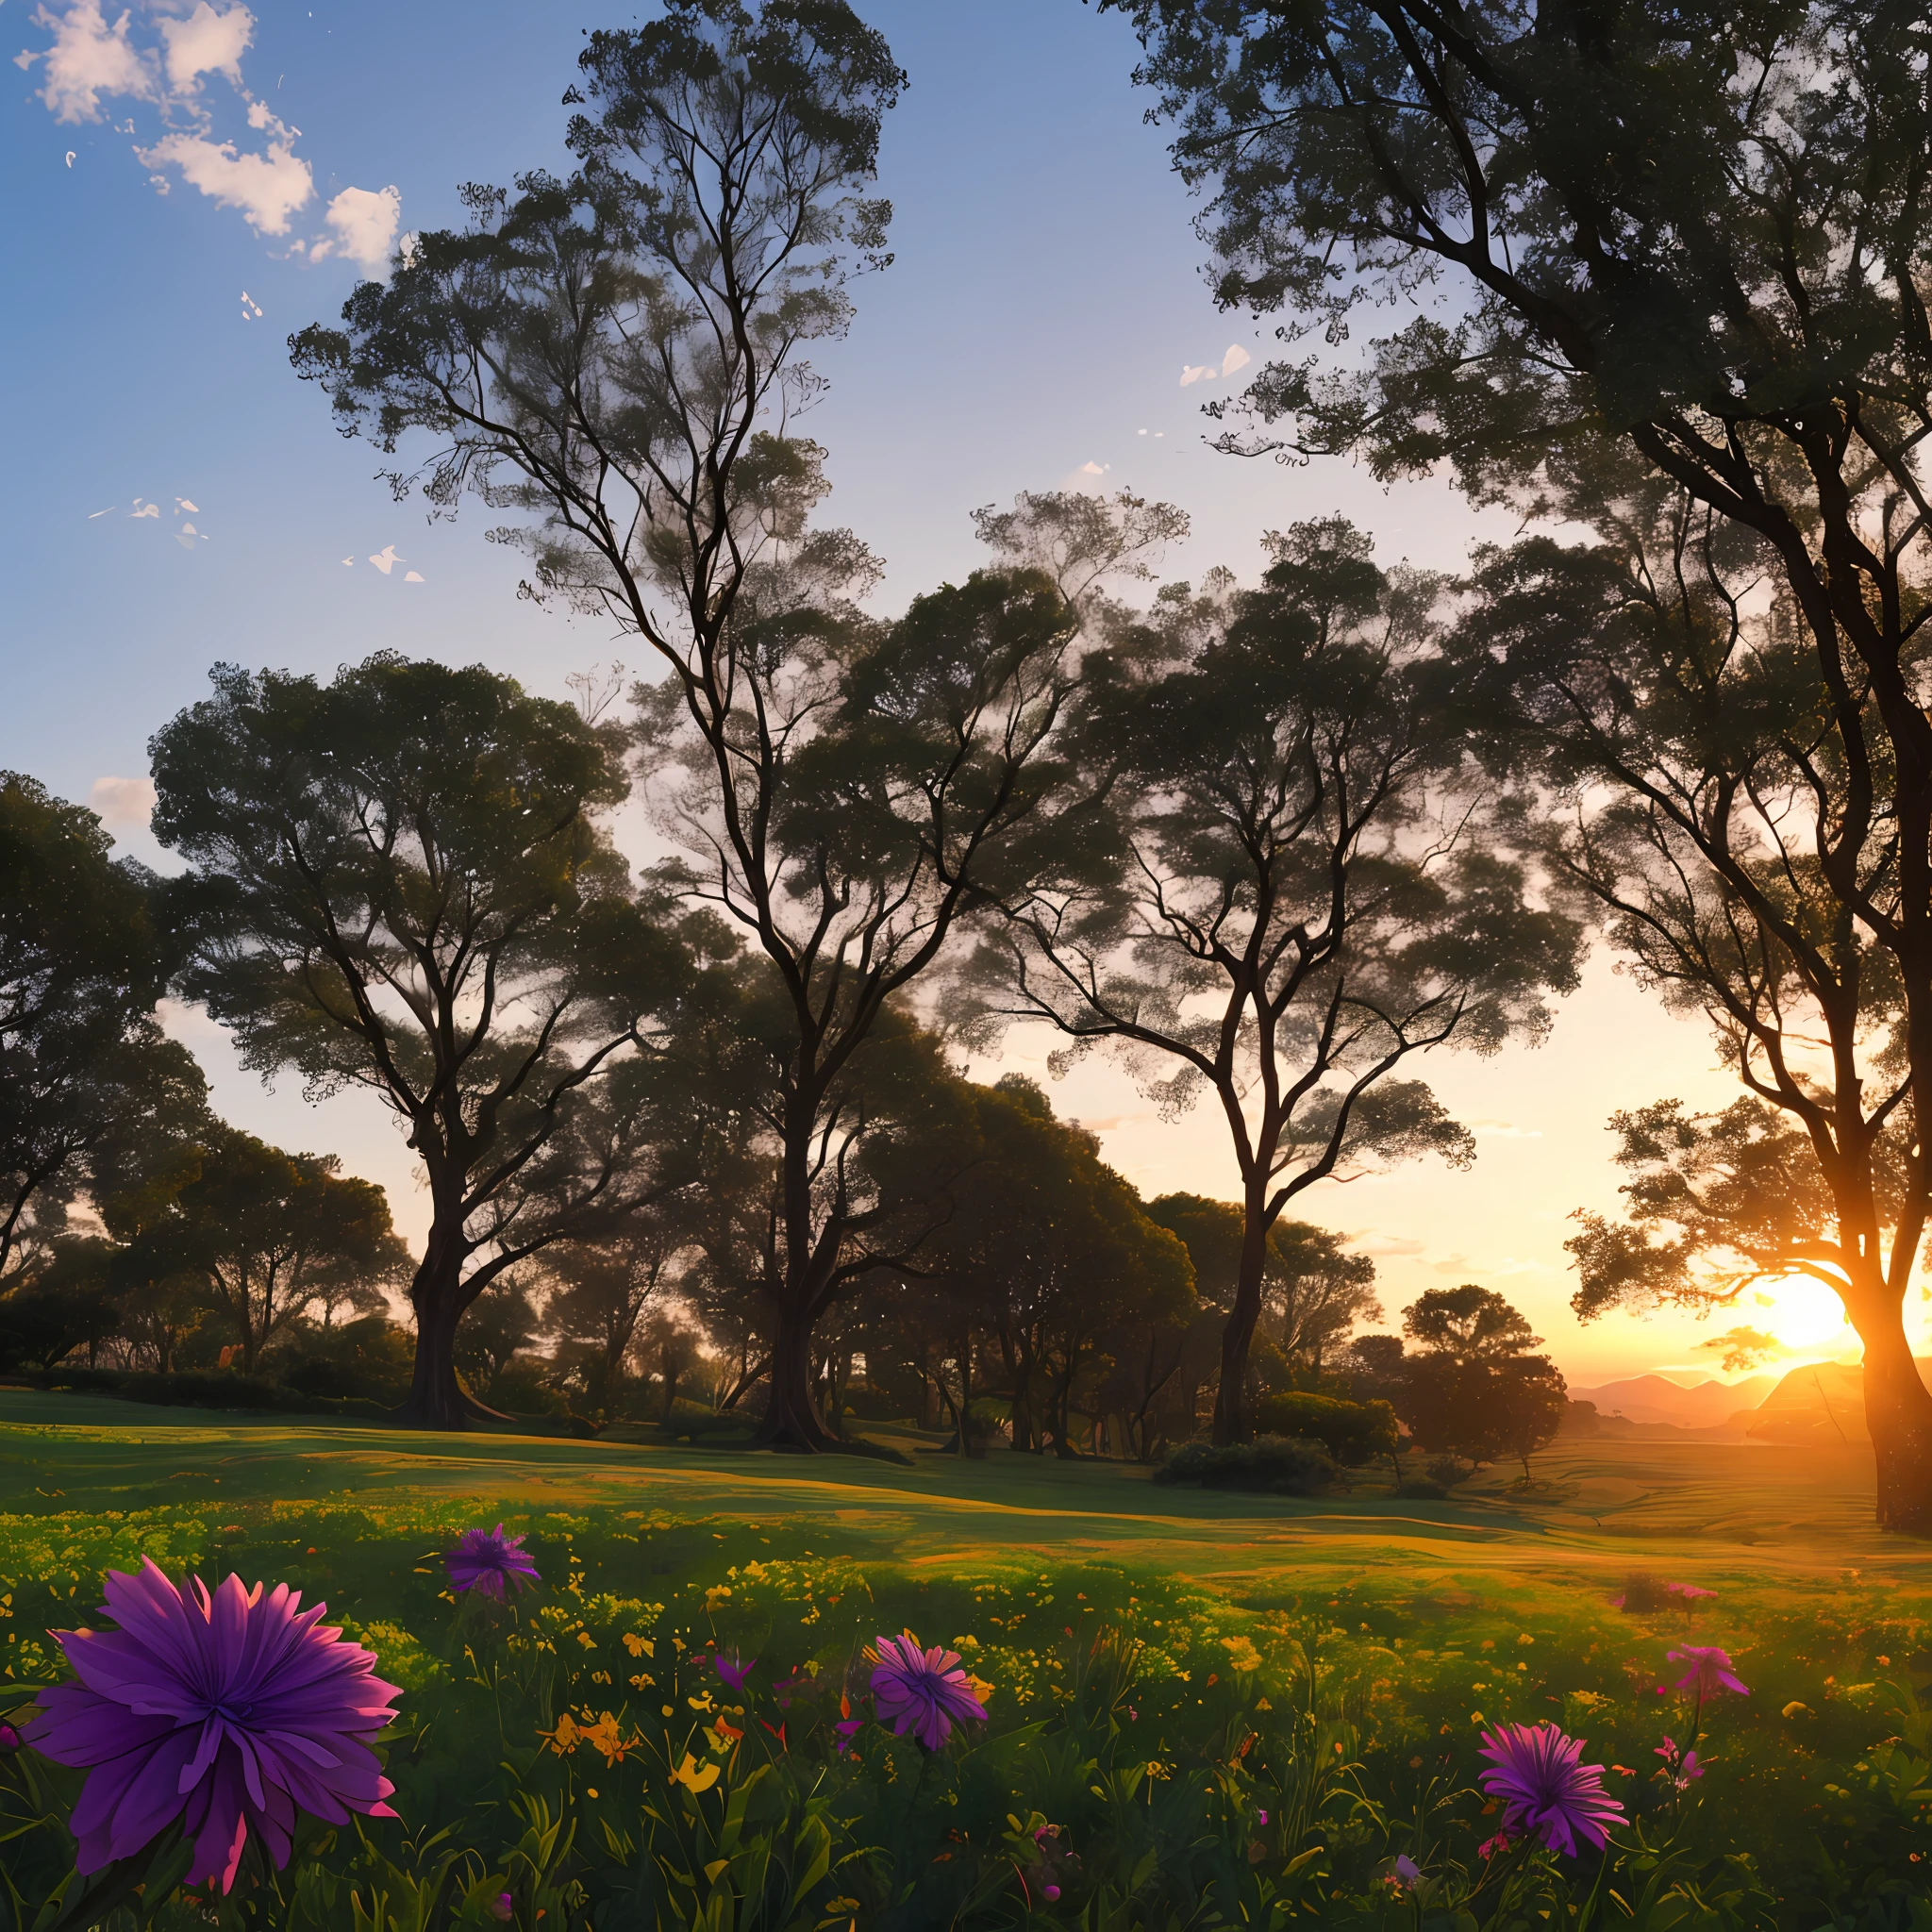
[(414, 576), (1191, 373), (1237, 358), (1089, 479), (266, 188), (1504, 1130), (207, 42), (1385, 1246), (364, 223), (386, 559), (90, 58), (122, 801)]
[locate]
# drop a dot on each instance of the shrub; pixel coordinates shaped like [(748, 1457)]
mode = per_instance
[(1272, 1465), (1352, 1432)]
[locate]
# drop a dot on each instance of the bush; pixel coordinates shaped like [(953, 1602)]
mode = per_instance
[(1352, 1432), (1272, 1465), (204, 1388)]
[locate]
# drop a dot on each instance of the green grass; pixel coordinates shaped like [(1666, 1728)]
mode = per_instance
[(1360, 1643)]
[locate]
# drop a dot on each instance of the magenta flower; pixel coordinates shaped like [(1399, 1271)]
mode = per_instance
[(921, 1691), (1689, 1592), (1546, 1788), (1681, 1766), (229, 1712), (847, 1729), (504, 1908), (733, 1673), (490, 1563), (1711, 1670), (11, 1739)]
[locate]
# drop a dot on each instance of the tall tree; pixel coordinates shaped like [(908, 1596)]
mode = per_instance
[(604, 1293), (89, 1088), (1472, 1387), (269, 1234), (400, 884), (1286, 883), (618, 356), (1683, 249)]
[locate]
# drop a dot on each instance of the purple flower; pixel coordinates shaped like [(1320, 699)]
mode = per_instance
[(1049, 1892), (11, 1739), (1546, 1788), (733, 1673), (1711, 1670), (848, 1728), (487, 1561), (1407, 1873), (230, 1712), (921, 1691)]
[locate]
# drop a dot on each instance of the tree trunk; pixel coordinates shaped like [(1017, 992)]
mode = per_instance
[(436, 1399), (1231, 1397), (791, 1419), (1898, 1412)]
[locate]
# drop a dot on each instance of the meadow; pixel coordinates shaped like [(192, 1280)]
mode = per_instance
[(1201, 1708)]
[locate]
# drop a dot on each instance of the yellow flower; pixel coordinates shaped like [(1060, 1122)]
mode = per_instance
[(693, 1776), (563, 1740), (716, 1595)]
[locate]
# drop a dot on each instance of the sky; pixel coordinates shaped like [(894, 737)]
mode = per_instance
[(184, 182)]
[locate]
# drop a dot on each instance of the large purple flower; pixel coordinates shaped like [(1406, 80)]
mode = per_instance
[(489, 1562), (1545, 1786), (229, 1712), (921, 1691)]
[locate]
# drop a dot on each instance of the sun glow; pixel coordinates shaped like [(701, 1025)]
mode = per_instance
[(1803, 1314)]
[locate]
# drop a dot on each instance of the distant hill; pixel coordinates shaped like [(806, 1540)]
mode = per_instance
[(1823, 1403), (1657, 1399)]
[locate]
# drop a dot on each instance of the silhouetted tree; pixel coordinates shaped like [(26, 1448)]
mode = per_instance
[(400, 883), (1284, 883)]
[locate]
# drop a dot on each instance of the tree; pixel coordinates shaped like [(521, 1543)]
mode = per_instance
[(267, 1234), (503, 1321), (1049, 1253), (1684, 311), (1472, 1388), (65, 1301), (87, 1083), (618, 356), (603, 1297), (1284, 885), (399, 883)]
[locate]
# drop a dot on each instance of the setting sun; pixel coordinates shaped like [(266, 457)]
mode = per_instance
[(1804, 1314)]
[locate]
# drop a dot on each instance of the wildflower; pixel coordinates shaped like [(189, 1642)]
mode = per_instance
[(1262, 1817), (1491, 1846), (1406, 1874), (848, 1728), (1546, 1788), (11, 1739), (693, 1776), (489, 1562), (230, 1712), (505, 1906), (921, 1691), (1049, 1892), (1711, 1670), (733, 1673), (1680, 1766), (1689, 1592)]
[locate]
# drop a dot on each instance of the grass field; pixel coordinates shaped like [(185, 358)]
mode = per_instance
[(1359, 1645)]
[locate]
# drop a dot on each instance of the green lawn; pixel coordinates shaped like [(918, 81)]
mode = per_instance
[(1740, 1512)]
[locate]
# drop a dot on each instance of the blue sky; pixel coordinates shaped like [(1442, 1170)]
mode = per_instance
[(1046, 302)]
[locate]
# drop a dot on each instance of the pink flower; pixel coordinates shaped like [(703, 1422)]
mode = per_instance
[(505, 1906), (921, 1691), (1681, 1765), (1711, 1670), (1546, 1788), (1049, 1892), (1689, 1592), (1262, 1817), (231, 1712), (1491, 1846), (11, 1739), (848, 1728), (490, 1563)]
